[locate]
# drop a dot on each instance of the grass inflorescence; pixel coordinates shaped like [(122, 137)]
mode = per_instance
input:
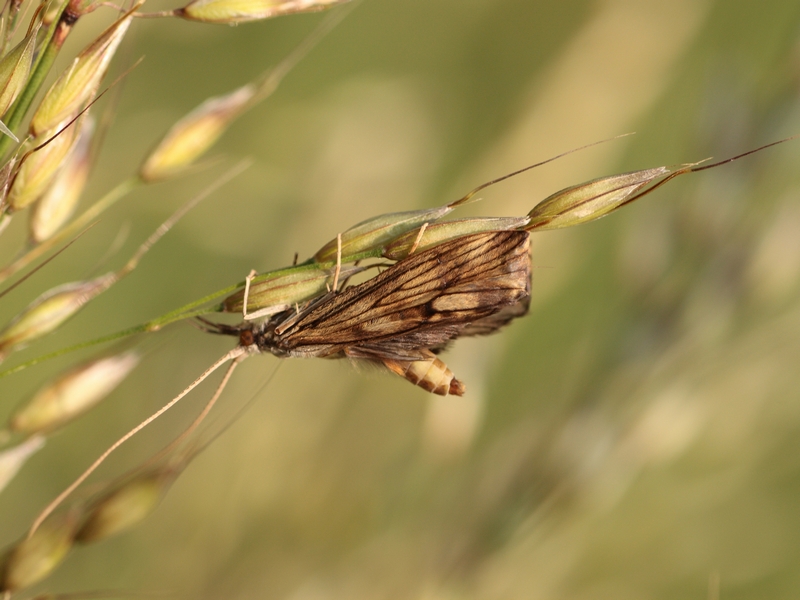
[(515, 497)]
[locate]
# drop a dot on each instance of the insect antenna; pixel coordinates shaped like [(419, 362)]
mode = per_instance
[(236, 354)]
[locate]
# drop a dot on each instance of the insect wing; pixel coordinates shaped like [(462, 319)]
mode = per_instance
[(501, 318), (420, 302)]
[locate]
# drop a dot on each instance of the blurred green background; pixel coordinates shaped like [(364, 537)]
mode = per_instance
[(636, 436)]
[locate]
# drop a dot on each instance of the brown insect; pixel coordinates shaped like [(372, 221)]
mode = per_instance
[(403, 317)]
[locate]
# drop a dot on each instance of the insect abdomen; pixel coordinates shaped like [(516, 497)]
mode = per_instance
[(431, 374)]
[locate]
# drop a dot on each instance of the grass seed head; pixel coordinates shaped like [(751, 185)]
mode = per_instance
[(12, 459), (38, 169), (72, 394), (14, 70), (376, 232), (32, 559), (242, 11), (194, 134), (436, 233), (77, 86), (125, 506), (6, 176), (591, 200), (49, 311), (287, 288), (58, 203)]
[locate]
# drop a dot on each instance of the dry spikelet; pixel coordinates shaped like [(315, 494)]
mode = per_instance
[(376, 232), (33, 558), (14, 70), (125, 506), (591, 200), (58, 203), (194, 134), (76, 87), (39, 168), (242, 11), (49, 311), (421, 239), (72, 394), (12, 459), (282, 290)]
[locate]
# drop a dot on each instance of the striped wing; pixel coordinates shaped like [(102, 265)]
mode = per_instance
[(420, 302)]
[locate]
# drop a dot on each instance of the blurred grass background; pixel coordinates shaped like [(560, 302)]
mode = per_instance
[(636, 436)]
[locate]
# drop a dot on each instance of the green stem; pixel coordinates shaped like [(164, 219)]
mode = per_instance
[(153, 325)]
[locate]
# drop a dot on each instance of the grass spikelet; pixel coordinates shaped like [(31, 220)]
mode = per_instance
[(242, 11), (282, 289), (190, 137), (33, 558), (376, 232), (434, 234), (591, 200), (39, 166), (125, 506), (13, 458), (76, 87), (72, 394), (15, 68), (59, 201), (49, 311)]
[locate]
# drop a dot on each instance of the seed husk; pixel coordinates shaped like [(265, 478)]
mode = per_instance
[(194, 134), (591, 200), (242, 11), (58, 203), (124, 506), (72, 394), (376, 232), (78, 85), (39, 168), (285, 288), (12, 459), (33, 558), (50, 310), (418, 239)]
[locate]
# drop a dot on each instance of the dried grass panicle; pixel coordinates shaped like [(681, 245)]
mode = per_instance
[(47, 175)]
